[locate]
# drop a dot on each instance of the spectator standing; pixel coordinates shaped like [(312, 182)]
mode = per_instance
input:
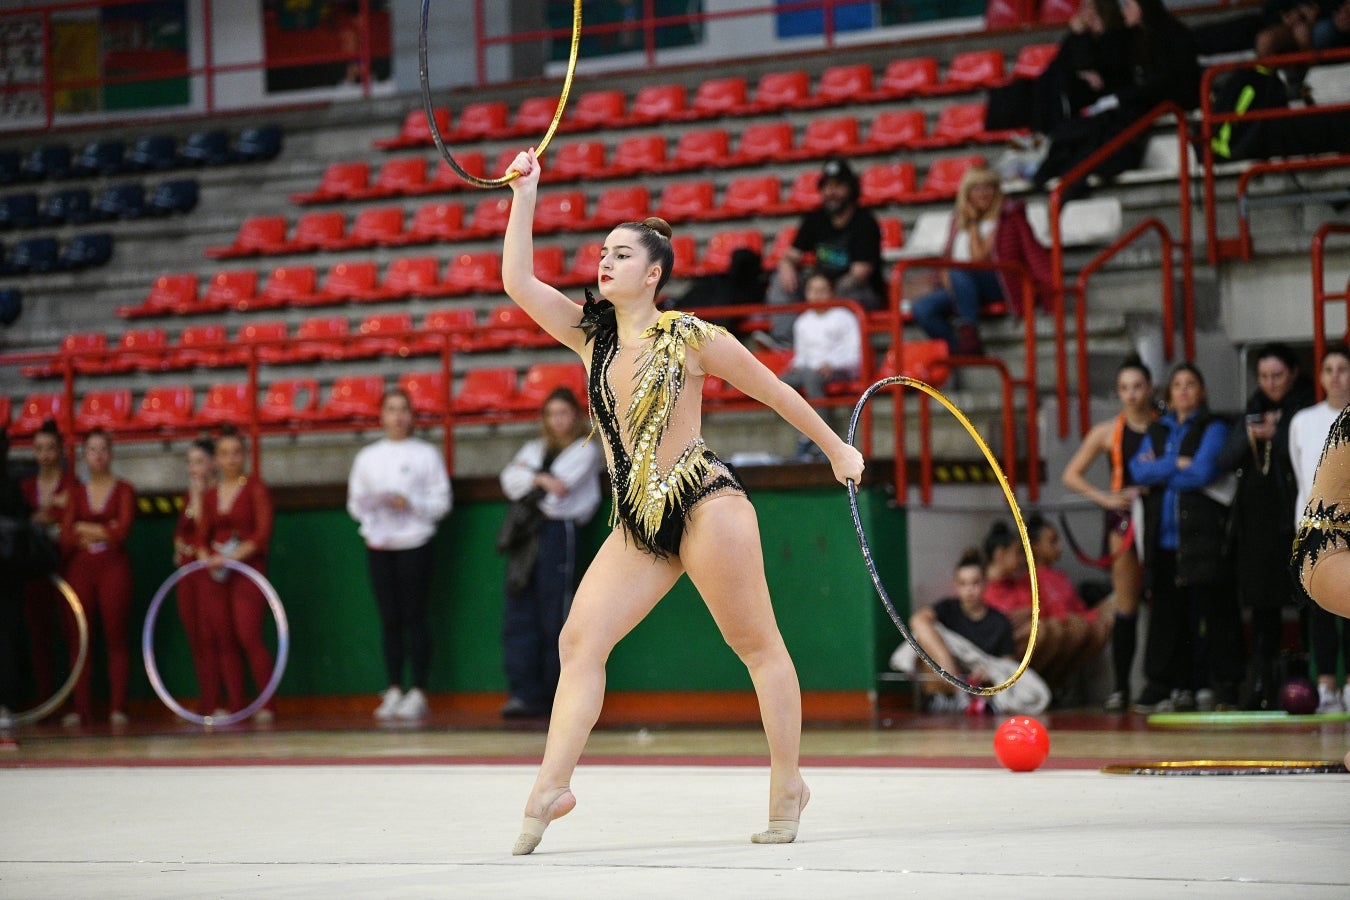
[(1308, 431), (1194, 633), (841, 239), (201, 474), (1262, 516), (236, 524), (46, 493), (94, 528), (398, 490), (560, 472), (985, 228), (15, 509)]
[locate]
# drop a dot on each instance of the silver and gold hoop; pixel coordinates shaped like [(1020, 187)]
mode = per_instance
[(53, 703)]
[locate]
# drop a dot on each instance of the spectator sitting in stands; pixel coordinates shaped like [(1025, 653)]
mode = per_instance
[(1008, 590), (1333, 29), (845, 241), (965, 636), (1092, 61), (827, 347), (985, 228), (1164, 66)]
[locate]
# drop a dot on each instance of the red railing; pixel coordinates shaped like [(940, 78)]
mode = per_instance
[(1220, 248), (1182, 243), (208, 70), (1321, 297), (1014, 273), (67, 363), (1265, 168)]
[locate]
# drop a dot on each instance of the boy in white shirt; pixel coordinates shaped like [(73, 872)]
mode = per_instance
[(827, 345)]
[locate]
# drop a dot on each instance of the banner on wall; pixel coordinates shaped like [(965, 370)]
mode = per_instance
[(317, 43), (21, 65), (143, 41)]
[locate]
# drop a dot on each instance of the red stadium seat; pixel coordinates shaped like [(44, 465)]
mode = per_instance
[(621, 204), (482, 120), (719, 97), (436, 222), (206, 346), (700, 149), (471, 273), (781, 242), (971, 71), (263, 332), (36, 409), (110, 410), (905, 77), (352, 398), (550, 264), (534, 115), (343, 282), (659, 103), (844, 84), (486, 391), (407, 276), (782, 90), (258, 235), (489, 216), (341, 181), (375, 227), (321, 339), (140, 349), (894, 130), (957, 124), (165, 406), (1000, 14), (447, 179), (750, 195), (686, 200), (285, 284), (292, 399), (892, 234), (76, 345), (224, 403), (887, 183), (1057, 12), (541, 379), (582, 159), (384, 335), (560, 211), (944, 177), (416, 132), (585, 267), (830, 137), (511, 326), (765, 143), (597, 109), (427, 391), (717, 255), (6, 410), (228, 290), (462, 321), (804, 194), (169, 295), (685, 250), (1033, 59), (397, 177), (924, 360), (317, 231), (644, 154)]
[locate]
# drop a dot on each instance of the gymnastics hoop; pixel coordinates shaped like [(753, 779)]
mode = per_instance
[(283, 644), (946, 676), (472, 179), (42, 710)]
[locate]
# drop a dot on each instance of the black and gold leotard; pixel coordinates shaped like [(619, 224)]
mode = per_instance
[(658, 464), (1325, 526)]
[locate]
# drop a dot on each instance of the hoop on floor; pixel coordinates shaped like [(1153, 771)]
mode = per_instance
[(472, 179), (960, 684), (283, 643), (52, 703)]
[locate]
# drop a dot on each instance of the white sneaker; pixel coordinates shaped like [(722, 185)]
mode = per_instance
[(1329, 699), (71, 720), (264, 716), (413, 705), (1345, 698), (6, 717), (389, 704), (118, 719)]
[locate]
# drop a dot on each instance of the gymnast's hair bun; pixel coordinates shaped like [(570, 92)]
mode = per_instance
[(659, 225)]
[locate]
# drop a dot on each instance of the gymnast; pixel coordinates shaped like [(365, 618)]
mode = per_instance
[(677, 507)]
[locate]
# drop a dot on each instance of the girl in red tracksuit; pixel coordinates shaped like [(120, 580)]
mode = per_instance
[(236, 523), (94, 531), (201, 466), (46, 493)]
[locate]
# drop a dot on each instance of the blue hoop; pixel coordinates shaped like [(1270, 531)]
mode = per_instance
[(283, 643)]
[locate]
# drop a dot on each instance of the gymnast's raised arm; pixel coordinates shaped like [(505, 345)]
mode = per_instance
[(548, 306)]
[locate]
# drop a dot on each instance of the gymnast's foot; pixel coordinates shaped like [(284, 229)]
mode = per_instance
[(783, 830), (532, 829)]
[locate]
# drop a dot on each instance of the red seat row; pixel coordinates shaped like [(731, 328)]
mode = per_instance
[(732, 96), (296, 401)]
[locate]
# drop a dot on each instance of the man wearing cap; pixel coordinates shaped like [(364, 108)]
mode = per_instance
[(845, 243)]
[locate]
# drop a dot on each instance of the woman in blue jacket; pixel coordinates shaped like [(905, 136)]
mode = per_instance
[(1194, 634)]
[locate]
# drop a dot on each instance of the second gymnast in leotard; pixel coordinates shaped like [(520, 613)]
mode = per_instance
[(678, 509)]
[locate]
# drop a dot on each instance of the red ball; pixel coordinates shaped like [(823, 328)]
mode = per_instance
[(1021, 744), (1298, 697)]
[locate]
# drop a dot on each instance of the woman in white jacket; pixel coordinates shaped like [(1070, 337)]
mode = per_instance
[(562, 467), (398, 491)]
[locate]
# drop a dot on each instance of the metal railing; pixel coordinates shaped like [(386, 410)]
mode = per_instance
[(1321, 297)]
